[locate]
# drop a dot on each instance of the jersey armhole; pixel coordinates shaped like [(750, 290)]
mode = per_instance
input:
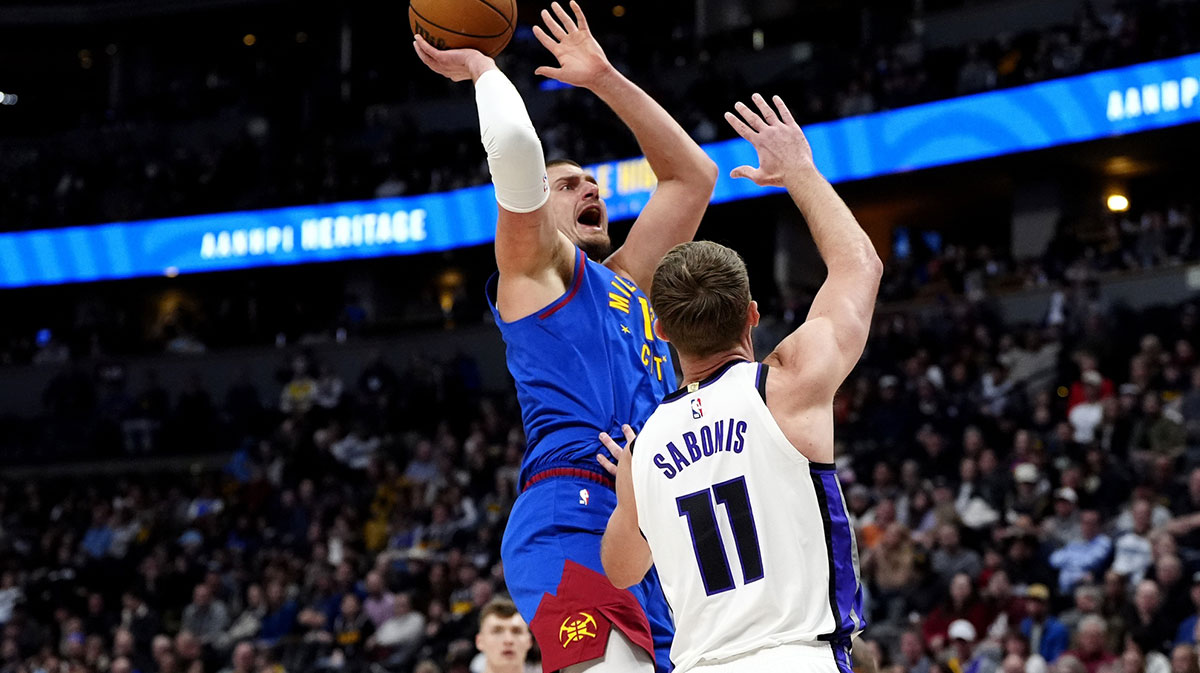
[(760, 381)]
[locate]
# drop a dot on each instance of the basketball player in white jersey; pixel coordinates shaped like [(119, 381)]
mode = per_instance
[(732, 479)]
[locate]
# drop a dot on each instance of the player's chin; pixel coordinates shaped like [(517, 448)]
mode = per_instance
[(595, 243)]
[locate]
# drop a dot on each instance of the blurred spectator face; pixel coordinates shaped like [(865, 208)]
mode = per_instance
[(911, 647), (910, 474), (160, 647), (1063, 508), (885, 513), (1142, 512), (1091, 636), (948, 537), (402, 606), (895, 535), (201, 596), (972, 441), (504, 642), (968, 470), (998, 585), (1194, 484), (275, 594), (1168, 571), (960, 588), (1013, 664), (350, 606), (881, 475), (187, 646), (1089, 524), (374, 584), (1087, 599), (1183, 659), (1132, 661), (123, 643), (243, 658), (1036, 608), (481, 592), (987, 462), (1147, 597), (254, 597), (1151, 405)]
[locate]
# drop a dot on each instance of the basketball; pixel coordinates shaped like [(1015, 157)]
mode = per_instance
[(486, 25)]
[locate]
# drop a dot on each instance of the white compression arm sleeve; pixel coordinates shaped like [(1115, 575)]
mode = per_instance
[(515, 156)]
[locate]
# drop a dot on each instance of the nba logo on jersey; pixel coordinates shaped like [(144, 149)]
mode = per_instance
[(697, 412), (584, 496)]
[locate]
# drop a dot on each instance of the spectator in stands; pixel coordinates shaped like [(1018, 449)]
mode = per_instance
[(398, 638), (961, 604), (205, 617), (1088, 601), (1088, 414), (1186, 635), (1148, 625), (1091, 648), (1084, 557), (1062, 526), (950, 558), (242, 660), (1047, 636), (1132, 554), (1184, 659), (890, 570)]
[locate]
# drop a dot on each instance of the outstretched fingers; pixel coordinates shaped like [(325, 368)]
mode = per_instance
[(752, 120), (767, 113), (579, 17), (555, 29), (547, 41), (784, 113), (565, 18), (740, 126)]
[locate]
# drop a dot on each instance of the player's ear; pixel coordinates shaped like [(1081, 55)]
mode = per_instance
[(658, 332), (752, 315)]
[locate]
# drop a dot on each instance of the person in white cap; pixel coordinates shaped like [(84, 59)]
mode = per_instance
[(1086, 416), (1063, 525)]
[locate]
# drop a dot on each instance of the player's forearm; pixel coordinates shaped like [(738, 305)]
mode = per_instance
[(844, 246), (515, 157), (670, 151), (624, 553)]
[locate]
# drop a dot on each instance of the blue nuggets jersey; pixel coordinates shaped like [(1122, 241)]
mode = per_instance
[(583, 365)]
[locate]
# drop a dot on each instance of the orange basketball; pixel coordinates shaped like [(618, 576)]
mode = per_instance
[(486, 25)]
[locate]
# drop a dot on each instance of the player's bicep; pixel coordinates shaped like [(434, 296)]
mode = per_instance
[(526, 243), (671, 217)]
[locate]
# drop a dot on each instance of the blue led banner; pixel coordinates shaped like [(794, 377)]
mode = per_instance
[(1110, 103)]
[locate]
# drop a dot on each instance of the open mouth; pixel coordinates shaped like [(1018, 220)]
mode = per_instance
[(590, 217)]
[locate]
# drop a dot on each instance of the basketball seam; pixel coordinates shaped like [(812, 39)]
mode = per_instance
[(507, 27), (508, 21)]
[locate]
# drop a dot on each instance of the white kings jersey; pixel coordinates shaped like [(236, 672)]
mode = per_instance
[(751, 540)]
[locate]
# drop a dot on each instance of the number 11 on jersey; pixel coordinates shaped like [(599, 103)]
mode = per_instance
[(706, 536)]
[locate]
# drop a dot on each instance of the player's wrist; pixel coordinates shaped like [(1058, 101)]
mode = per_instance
[(606, 80), (480, 64)]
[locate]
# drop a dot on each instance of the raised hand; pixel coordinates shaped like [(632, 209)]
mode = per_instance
[(782, 147), (581, 60), (618, 453), (456, 64)]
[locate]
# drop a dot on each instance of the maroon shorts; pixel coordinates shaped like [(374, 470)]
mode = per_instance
[(572, 625)]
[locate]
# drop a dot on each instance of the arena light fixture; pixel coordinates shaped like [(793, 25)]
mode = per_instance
[(1117, 203)]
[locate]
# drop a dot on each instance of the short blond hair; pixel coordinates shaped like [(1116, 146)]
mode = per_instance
[(701, 293)]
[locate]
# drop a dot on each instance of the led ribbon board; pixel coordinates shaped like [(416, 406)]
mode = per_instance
[(1076, 109)]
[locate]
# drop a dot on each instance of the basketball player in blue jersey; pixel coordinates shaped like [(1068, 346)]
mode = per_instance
[(578, 327), (731, 480)]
